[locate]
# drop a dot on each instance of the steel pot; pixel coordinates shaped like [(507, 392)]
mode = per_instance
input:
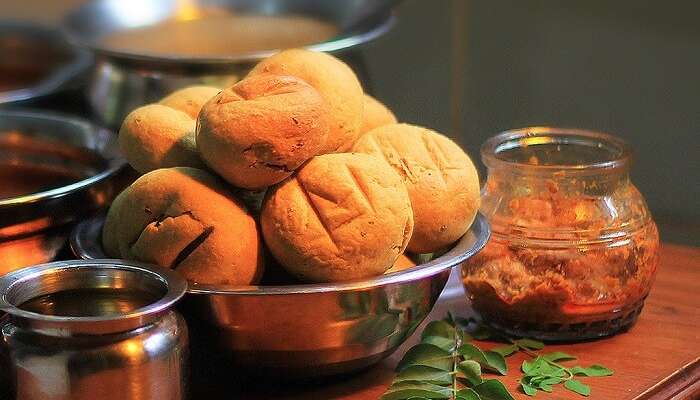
[(123, 80), (54, 171), (22, 44), (84, 330)]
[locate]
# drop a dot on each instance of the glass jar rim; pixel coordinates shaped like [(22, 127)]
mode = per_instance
[(619, 151)]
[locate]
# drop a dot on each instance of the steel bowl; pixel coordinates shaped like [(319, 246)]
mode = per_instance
[(306, 330), (54, 171), (124, 80), (38, 61)]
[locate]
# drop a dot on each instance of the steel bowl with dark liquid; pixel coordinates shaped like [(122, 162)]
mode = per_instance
[(301, 331), (54, 171), (37, 61)]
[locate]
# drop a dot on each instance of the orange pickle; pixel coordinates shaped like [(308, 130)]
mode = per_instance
[(574, 250)]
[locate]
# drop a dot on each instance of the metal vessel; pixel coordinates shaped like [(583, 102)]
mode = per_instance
[(61, 66), (54, 171), (85, 330), (123, 80), (305, 330)]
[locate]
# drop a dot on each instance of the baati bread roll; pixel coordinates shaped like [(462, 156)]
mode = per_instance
[(375, 114), (336, 83), (440, 177), (157, 136), (111, 225), (190, 99), (340, 217), (185, 219), (402, 263), (257, 132)]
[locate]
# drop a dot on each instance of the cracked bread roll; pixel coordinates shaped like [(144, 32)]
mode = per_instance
[(184, 219), (336, 83), (440, 177), (375, 114), (340, 217), (257, 132), (190, 99)]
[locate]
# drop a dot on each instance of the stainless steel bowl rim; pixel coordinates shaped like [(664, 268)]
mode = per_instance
[(81, 61), (115, 164), (176, 287), (330, 46), (461, 251)]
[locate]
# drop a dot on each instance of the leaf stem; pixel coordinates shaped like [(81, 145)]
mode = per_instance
[(525, 350), (455, 358), (562, 367)]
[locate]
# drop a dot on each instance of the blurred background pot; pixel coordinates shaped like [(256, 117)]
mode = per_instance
[(54, 171), (126, 77), (37, 62)]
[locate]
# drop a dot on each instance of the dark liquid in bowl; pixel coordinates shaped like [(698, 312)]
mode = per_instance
[(14, 77), (19, 180), (217, 33), (90, 302), (29, 59)]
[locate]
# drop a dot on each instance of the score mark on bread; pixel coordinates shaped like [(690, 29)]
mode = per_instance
[(185, 234), (334, 80), (342, 216), (441, 180), (185, 218)]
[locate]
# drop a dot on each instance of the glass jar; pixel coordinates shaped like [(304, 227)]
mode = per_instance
[(573, 250)]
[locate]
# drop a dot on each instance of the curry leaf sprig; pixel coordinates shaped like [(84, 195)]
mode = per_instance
[(545, 371), (446, 365)]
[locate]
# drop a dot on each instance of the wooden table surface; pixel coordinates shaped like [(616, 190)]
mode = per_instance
[(659, 358)]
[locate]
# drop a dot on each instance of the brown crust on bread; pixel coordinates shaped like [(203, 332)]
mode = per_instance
[(375, 114), (334, 80), (183, 218), (441, 180), (156, 136), (340, 217), (257, 132), (162, 135), (402, 263), (190, 99)]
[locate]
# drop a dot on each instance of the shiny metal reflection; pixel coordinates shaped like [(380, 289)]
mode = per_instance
[(140, 354), (77, 169), (309, 329)]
